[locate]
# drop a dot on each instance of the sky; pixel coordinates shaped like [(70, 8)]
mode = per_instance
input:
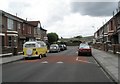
[(67, 18)]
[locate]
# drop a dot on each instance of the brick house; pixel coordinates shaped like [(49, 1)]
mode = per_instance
[(39, 32), (110, 31), (15, 31), (43, 33), (118, 26)]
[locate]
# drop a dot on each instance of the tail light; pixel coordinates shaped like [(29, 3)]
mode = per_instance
[(80, 50)]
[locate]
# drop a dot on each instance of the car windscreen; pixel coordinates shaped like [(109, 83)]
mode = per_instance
[(29, 45), (84, 46)]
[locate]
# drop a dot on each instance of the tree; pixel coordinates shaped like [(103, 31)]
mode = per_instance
[(78, 36), (52, 37)]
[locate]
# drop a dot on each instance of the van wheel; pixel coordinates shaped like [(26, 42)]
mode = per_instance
[(40, 56), (45, 55), (25, 58)]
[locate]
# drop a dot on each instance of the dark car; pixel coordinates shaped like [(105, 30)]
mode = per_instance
[(61, 46), (84, 49), (65, 47)]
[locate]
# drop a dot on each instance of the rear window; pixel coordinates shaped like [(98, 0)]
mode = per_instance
[(29, 45), (54, 45), (84, 46)]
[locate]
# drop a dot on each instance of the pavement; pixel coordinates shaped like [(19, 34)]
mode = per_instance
[(109, 62), (4, 60)]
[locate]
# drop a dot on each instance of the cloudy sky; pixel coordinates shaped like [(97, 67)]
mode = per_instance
[(68, 18)]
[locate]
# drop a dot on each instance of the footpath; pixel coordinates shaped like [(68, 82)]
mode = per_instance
[(109, 62), (8, 59)]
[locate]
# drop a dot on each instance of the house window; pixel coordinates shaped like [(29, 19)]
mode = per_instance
[(29, 30), (2, 41), (10, 41), (18, 25), (15, 41), (24, 29), (111, 25), (35, 30), (10, 24)]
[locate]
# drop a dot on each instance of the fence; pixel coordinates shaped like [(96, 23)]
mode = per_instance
[(114, 48)]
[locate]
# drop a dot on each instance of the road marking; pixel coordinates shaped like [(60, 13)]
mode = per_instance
[(59, 62), (44, 62), (77, 59), (84, 61)]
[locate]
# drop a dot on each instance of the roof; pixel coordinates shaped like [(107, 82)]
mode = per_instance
[(35, 23), (14, 17), (43, 29), (118, 13)]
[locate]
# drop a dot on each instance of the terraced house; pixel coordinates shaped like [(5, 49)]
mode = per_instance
[(109, 34), (15, 31)]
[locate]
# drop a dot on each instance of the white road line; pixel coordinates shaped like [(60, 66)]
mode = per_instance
[(44, 62), (76, 58), (84, 61), (59, 62)]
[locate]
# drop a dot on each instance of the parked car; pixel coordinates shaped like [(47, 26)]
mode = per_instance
[(61, 47), (84, 49), (54, 48), (34, 49), (65, 47)]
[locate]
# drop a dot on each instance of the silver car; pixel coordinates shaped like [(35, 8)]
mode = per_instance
[(54, 48)]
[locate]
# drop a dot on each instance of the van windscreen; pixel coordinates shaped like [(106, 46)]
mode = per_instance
[(29, 45)]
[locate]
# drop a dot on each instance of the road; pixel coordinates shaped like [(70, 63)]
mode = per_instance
[(64, 66)]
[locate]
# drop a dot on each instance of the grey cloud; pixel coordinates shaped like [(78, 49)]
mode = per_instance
[(18, 7), (94, 8)]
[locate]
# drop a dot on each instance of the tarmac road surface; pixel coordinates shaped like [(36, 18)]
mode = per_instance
[(64, 66)]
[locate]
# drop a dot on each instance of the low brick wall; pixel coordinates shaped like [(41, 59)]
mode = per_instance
[(114, 48)]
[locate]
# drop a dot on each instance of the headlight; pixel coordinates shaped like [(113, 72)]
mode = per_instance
[(55, 48)]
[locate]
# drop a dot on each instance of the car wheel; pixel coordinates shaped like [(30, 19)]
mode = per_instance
[(90, 54), (78, 53), (40, 56)]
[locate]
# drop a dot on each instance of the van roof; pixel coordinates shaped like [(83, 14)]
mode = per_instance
[(32, 42)]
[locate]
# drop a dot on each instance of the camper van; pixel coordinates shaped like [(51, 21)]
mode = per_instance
[(34, 49)]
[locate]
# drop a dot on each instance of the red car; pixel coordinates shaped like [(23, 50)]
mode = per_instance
[(84, 49)]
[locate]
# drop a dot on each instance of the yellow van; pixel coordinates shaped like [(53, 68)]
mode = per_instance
[(34, 49)]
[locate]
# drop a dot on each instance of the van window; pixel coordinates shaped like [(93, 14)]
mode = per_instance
[(29, 45), (42, 44)]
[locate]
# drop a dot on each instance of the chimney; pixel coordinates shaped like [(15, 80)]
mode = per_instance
[(16, 14), (26, 19)]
